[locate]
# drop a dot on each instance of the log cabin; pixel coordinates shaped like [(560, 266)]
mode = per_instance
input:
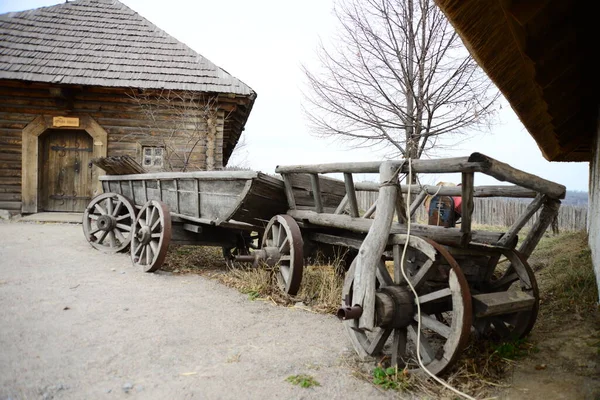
[(540, 54), (93, 78)]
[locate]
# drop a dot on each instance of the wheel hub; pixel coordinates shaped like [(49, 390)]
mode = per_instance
[(394, 306), (144, 235), (106, 222)]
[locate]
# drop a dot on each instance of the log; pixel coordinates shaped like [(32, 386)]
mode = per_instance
[(342, 206), (466, 207), (522, 220), (400, 207), (504, 172), (414, 206), (549, 211), (444, 165), (446, 236), (351, 193), (316, 189), (289, 192), (373, 247), (478, 191)]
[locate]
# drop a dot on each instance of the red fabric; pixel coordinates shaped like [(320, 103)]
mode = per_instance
[(457, 204)]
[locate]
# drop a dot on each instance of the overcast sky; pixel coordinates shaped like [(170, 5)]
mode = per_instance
[(264, 42)]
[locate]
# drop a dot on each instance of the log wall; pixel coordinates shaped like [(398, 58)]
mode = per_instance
[(114, 110)]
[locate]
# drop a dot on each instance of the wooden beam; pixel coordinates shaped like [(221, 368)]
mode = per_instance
[(489, 304), (516, 227), (316, 189), (351, 193), (444, 165), (446, 236), (504, 172), (289, 191), (342, 206), (466, 207), (547, 215)]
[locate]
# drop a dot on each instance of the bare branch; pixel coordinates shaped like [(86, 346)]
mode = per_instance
[(398, 76)]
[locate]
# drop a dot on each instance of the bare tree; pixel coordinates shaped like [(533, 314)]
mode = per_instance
[(183, 124), (399, 77)]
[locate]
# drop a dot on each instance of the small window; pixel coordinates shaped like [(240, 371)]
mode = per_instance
[(153, 157)]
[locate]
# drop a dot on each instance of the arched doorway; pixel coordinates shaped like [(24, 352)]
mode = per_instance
[(56, 173), (65, 170)]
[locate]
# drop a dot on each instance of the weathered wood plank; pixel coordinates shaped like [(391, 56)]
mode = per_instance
[(488, 304)]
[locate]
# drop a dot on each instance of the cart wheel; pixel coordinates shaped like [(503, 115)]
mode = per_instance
[(107, 222), (444, 297), (519, 287), (151, 236), (283, 244)]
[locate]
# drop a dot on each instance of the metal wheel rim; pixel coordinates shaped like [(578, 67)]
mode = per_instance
[(149, 252), (376, 344), (117, 214), (284, 233)]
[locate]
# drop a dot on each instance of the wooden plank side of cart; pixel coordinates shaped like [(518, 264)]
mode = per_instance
[(222, 198)]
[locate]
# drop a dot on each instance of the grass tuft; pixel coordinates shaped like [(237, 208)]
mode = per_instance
[(302, 380)]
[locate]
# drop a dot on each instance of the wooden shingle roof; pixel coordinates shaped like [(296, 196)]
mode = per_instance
[(103, 43)]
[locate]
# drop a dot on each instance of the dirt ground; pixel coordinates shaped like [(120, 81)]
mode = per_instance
[(79, 324)]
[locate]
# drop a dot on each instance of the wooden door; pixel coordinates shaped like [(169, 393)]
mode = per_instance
[(66, 170)]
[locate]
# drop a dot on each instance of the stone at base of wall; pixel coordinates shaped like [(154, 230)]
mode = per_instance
[(9, 214)]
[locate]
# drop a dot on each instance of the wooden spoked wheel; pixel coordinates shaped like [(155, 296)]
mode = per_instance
[(107, 222), (514, 296), (445, 301), (283, 244), (151, 236)]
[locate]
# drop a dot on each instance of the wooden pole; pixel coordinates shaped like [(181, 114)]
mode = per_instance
[(504, 172), (516, 227), (549, 211), (351, 193), (440, 166), (316, 189), (289, 192), (373, 246), (466, 208)]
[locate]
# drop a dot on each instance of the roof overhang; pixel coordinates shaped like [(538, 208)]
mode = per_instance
[(540, 55)]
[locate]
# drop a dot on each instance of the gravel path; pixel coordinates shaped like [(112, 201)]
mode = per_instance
[(79, 324)]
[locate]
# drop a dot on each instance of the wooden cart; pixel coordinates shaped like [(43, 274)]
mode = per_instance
[(146, 212), (466, 280)]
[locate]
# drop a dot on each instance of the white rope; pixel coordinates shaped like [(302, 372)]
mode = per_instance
[(441, 381)]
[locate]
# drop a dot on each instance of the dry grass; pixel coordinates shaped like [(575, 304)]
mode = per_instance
[(563, 266)]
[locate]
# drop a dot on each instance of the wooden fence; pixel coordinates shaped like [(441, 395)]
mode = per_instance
[(499, 212)]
